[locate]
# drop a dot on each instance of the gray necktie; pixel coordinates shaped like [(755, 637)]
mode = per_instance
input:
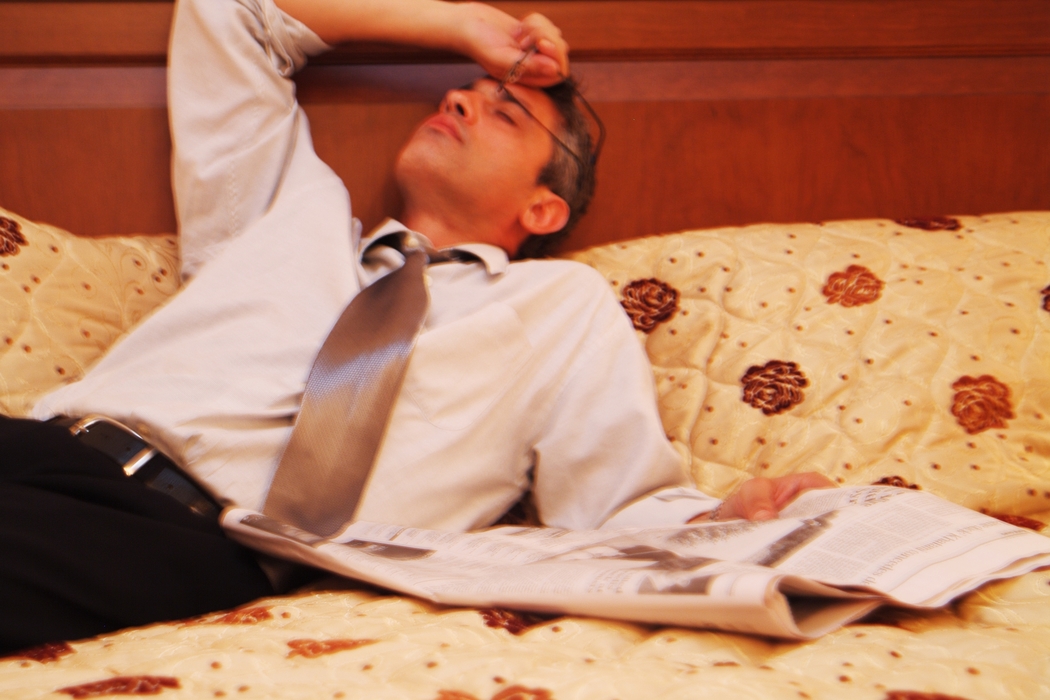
[(346, 406)]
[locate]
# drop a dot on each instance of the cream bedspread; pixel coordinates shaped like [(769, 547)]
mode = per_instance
[(912, 353)]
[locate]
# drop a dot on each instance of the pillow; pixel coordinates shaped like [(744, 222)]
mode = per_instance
[(915, 352), (64, 300)]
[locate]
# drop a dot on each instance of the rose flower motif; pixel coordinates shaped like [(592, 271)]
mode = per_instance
[(931, 223), (241, 616), (981, 403), (122, 685), (774, 387), (1019, 521), (648, 302), (855, 286), (44, 653), (514, 622), (520, 692), (313, 648), (898, 481), (1046, 298), (11, 237)]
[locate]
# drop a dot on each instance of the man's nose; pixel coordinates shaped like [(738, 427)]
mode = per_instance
[(462, 103)]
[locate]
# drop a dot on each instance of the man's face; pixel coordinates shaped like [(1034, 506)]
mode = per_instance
[(480, 152)]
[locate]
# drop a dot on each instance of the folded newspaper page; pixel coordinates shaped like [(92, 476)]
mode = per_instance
[(831, 557)]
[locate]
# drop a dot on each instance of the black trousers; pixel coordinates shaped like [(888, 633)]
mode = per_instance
[(85, 549)]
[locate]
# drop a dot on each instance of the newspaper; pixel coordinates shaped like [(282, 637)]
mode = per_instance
[(831, 557)]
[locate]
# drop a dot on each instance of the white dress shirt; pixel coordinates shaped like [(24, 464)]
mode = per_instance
[(526, 374)]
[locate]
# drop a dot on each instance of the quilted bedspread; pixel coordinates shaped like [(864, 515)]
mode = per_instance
[(914, 353)]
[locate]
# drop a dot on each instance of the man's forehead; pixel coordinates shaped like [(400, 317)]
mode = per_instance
[(535, 100)]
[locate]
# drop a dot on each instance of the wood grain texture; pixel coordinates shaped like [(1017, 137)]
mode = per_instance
[(93, 171), (121, 31), (716, 163), (117, 87), (897, 108), (84, 31)]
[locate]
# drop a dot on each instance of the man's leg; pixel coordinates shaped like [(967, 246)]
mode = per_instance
[(88, 550)]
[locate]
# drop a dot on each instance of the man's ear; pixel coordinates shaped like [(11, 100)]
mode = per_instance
[(545, 213)]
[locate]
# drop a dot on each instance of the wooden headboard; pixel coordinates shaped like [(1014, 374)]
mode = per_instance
[(718, 111)]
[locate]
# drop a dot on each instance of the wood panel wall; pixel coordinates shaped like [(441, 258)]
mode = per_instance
[(719, 112)]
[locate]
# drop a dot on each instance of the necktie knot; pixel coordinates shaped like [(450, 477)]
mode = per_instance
[(405, 242)]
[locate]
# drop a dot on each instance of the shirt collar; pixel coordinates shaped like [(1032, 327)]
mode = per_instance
[(494, 258)]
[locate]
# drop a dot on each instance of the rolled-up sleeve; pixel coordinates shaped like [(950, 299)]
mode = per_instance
[(234, 116)]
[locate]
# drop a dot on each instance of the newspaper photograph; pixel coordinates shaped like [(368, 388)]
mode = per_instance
[(831, 557)]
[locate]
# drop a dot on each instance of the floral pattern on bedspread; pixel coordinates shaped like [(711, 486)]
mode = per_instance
[(313, 648), (45, 653), (994, 644), (251, 615), (65, 299), (931, 223), (921, 348), (774, 387), (896, 481), (511, 620), (854, 286), (122, 685), (648, 302), (515, 692), (981, 403), (11, 238)]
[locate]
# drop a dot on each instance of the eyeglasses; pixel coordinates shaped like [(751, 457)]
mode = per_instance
[(595, 125)]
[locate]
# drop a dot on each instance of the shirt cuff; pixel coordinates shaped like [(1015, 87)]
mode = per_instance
[(671, 506)]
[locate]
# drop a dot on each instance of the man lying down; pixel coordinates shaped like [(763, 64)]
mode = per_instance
[(525, 375)]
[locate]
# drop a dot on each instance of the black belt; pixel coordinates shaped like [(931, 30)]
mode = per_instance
[(140, 461)]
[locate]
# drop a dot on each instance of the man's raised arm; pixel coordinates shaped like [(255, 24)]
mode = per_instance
[(234, 117), (492, 38)]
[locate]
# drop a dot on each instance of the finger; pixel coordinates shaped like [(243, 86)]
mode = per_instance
[(500, 61), (788, 488), (540, 71), (535, 27), (540, 32), (556, 51), (758, 499), (754, 500)]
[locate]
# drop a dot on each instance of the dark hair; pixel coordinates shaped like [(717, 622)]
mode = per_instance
[(570, 178)]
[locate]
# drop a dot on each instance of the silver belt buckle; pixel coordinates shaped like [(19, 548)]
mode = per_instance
[(137, 459)]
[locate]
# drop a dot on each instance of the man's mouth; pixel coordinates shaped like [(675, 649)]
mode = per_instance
[(445, 123)]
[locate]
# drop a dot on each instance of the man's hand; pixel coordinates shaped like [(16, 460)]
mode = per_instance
[(763, 499), (496, 41)]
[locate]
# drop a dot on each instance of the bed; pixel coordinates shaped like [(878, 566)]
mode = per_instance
[(900, 336)]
